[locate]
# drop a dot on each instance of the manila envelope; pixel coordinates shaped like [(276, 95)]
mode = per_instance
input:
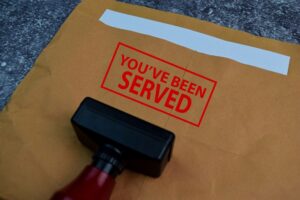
[(231, 98)]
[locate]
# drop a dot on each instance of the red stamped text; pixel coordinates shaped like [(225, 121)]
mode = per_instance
[(158, 84)]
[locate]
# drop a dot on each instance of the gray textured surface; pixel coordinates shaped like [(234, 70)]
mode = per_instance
[(26, 26)]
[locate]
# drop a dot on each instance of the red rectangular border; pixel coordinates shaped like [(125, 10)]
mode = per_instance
[(169, 63)]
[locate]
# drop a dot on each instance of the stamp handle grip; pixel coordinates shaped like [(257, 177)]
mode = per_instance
[(91, 184)]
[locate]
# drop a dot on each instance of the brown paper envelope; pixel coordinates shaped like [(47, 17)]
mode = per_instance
[(247, 146)]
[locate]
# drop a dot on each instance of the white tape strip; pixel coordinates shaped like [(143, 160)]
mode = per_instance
[(199, 42)]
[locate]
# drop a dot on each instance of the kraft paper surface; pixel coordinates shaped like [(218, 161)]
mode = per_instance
[(236, 126)]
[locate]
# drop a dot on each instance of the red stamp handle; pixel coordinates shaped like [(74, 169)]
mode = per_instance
[(91, 184)]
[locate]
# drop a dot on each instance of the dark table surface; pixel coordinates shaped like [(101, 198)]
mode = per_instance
[(26, 26)]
